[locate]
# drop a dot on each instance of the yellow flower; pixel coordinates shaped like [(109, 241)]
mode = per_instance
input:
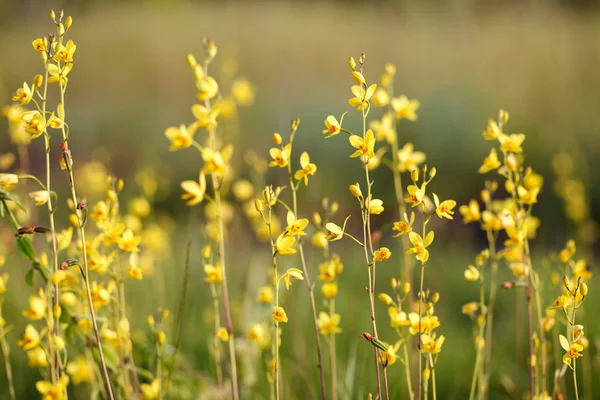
[(243, 92), (431, 345), (493, 130), (364, 147), (207, 88), (408, 159), (135, 273), (355, 190), (428, 323), (333, 126), (23, 94), (31, 339), (40, 44), (405, 108), (358, 77), (57, 74), (382, 254), (361, 96), (284, 244), (470, 212), (375, 206), (150, 391), (181, 137), (34, 123), (37, 358), (258, 335), (205, 118), (55, 122), (279, 315), (216, 161), (420, 245), (265, 294), (37, 306), (3, 282), (572, 351), (471, 274), (329, 290), (335, 232), (398, 319), (404, 227), (470, 308), (561, 302), (292, 273), (490, 163), (79, 370), (415, 194), (40, 197), (308, 168), (50, 391), (528, 196), (223, 335), (389, 357), (129, 242), (384, 129), (444, 209), (381, 97), (243, 190), (65, 53), (8, 181), (194, 191), (329, 324), (280, 157), (511, 143), (213, 274)]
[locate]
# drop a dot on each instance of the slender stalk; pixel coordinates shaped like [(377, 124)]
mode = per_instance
[(490, 312), (309, 286), (530, 331), (275, 345), (332, 355), (216, 344), (407, 372), (6, 355), (572, 322)]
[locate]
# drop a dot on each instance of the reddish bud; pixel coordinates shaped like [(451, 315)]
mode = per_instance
[(80, 206), (63, 147)]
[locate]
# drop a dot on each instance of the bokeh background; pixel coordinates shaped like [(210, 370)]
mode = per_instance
[(462, 59)]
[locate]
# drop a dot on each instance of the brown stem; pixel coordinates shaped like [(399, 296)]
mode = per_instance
[(530, 330)]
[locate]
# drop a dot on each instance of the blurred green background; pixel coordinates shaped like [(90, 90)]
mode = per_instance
[(462, 59)]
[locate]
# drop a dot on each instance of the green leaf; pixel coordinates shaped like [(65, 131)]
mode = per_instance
[(26, 248), (29, 277)]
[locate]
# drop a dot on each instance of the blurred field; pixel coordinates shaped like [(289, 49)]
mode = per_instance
[(131, 81)]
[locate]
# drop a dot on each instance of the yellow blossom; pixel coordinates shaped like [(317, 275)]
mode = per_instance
[(223, 335), (405, 108), (35, 123), (292, 273), (79, 370), (205, 118), (37, 306), (207, 88), (280, 157), (471, 212), (23, 94), (470, 308), (3, 282), (404, 227), (398, 318), (572, 350), (382, 254), (8, 181), (420, 245), (361, 96), (216, 161), (431, 345), (53, 391), (284, 244), (194, 191), (40, 44), (213, 274), (389, 357), (181, 137), (511, 143), (381, 97), (329, 324), (364, 146), (265, 294), (36, 358), (129, 242), (444, 209), (493, 130), (490, 163), (355, 190), (333, 126), (243, 190), (31, 339), (243, 92), (416, 195), (308, 168), (428, 323), (408, 159), (151, 391), (65, 53), (384, 129), (561, 302), (40, 197), (528, 196), (329, 290), (279, 315), (375, 206), (258, 334), (471, 274), (335, 232)]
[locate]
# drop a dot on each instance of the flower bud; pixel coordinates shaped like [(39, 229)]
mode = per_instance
[(486, 197), (358, 77), (583, 289), (150, 320), (435, 298), (211, 47), (52, 15), (426, 374), (61, 29), (385, 299), (394, 283), (565, 281), (355, 190), (68, 22), (57, 312), (414, 175), (276, 138), (432, 172), (317, 218), (334, 207), (38, 80), (406, 287), (191, 60), (352, 63), (206, 250), (258, 205), (160, 337)]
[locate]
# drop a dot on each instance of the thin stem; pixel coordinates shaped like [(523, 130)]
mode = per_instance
[(275, 340), (6, 355), (573, 341), (490, 311), (309, 287), (433, 377), (407, 372), (332, 355), (216, 344), (530, 330)]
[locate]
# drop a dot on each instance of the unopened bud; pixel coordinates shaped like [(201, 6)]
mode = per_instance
[(317, 218), (566, 282), (61, 29), (81, 206), (211, 47), (191, 60), (414, 175), (258, 205), (52, 15), (63, 146), (352, 63), (406, 287), (507, 285), (394, 283), (334, 207), (486, 197), (276, 138), (435, 298), (361, 59), (206, 250), (355, 190), (583, 289), (426, 374), (68, 22), (57, 312), (385, 299), (432, 173), (38, 80)]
